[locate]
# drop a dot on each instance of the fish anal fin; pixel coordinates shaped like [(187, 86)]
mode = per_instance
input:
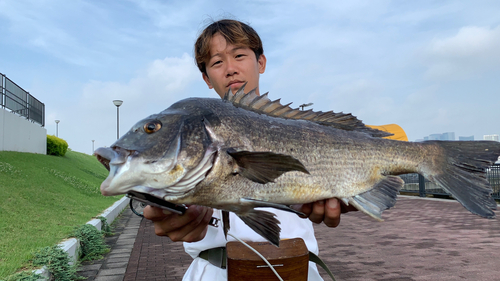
[(381, 197), (263, 223), (225, 223), (264, 167)]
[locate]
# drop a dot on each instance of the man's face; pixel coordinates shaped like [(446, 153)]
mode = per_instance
[(230, 67)]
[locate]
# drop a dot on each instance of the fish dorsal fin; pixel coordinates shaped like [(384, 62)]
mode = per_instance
[(263, 105)]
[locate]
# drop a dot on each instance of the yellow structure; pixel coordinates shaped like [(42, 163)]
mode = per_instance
[(396, 130)]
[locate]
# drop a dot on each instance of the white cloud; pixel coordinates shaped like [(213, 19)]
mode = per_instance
[(349, 56), (161, 83), (471, 52), (160, 12), (38, 25)]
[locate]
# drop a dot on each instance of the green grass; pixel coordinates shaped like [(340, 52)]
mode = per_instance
[(42, 199)]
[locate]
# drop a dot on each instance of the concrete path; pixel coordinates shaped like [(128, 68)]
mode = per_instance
[(114, 264), (420, 239)]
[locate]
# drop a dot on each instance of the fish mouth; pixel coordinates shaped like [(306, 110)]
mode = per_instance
[(102, 160), (113, 159), (116, 155), (116, 158)]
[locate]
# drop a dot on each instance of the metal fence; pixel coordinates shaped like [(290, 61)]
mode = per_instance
[(18, 101), (415, 183)]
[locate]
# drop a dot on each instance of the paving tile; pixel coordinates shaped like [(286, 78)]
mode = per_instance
[(109, 278), (121, 259), (115, 265), (121, 250), (126, 241), (420, 239), (90, 267), (113, 256), (112, 271), (124, 246), (112, 263), (88, 273)]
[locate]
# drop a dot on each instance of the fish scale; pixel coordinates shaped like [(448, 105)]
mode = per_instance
[(240, 153), (325, 156)]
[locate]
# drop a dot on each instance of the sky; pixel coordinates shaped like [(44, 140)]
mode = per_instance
[(429, 66)]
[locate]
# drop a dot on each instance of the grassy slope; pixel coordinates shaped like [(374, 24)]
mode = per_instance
[(42, 199)]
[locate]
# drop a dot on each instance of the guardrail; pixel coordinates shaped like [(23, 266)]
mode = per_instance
[(19, 101), (415, 183)]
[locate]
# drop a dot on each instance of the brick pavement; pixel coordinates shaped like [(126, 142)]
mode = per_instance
[(421, 239), (156, 258)]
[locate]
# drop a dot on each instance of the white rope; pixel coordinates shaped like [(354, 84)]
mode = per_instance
[(261, 256)]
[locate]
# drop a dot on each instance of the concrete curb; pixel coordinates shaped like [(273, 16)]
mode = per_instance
[(72, 245)]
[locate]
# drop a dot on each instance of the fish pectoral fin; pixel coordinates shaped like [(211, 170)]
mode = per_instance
[(259, 203), (381, 197), (264, 167), (264, 223), (225, 222)]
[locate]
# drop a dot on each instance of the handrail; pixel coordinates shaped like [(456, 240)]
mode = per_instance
[(415, 183), (18, 101)]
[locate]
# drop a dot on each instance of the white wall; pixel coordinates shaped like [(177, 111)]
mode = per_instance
[(19, 134)]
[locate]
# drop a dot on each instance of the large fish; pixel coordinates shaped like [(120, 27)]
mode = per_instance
[(246, 151)]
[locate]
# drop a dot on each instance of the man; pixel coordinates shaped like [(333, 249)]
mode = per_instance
[(229, 54)]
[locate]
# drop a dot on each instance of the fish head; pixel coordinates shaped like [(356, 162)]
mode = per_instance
[(165, 154)]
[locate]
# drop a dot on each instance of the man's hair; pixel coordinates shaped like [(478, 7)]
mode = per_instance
[(235, 32)]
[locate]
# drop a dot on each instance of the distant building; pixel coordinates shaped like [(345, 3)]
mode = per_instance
[(433, 137), (444, 136), (448, 136), (470, 138), (490, 137)]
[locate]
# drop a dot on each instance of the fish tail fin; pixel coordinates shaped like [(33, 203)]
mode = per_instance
[(462, 173), (381, 197)]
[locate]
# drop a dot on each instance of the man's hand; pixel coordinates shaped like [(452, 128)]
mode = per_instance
[(327, 211), (190, 227)]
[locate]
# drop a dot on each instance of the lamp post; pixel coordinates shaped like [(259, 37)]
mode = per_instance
[(57, 127), (93, 146), (118, 103)]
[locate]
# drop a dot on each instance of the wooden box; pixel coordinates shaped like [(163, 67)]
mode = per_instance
[(290, 260)]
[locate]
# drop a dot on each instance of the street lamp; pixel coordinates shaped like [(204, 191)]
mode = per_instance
[(118, 103), (57, 128), (93, 146), (305, 105)]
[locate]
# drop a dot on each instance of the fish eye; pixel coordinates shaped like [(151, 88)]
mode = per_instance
[(152, 126)]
